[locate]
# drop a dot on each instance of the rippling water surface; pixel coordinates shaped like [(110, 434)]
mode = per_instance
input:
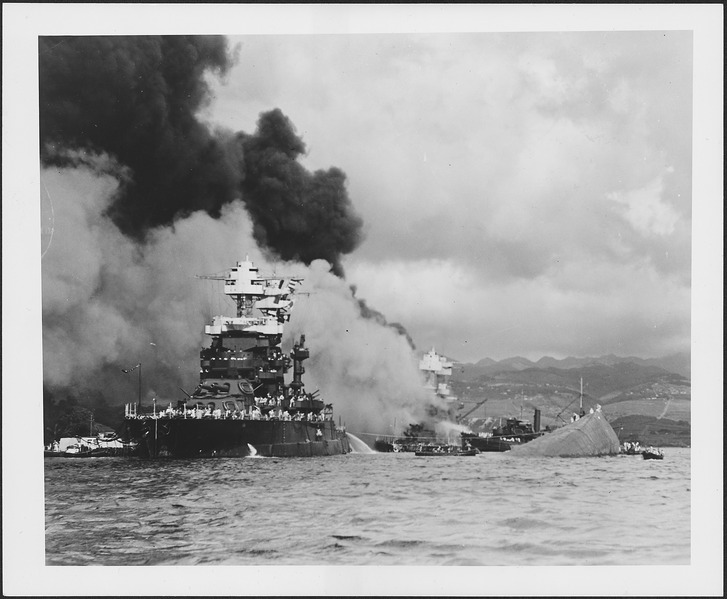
[(369, 509)]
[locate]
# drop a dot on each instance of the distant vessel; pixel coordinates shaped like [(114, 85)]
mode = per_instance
[(242, 405), (102, 445), (436, 370), (506, 436), (486, 444)]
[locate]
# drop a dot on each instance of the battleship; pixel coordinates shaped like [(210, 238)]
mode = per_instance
[(436, 371), (242, 406)]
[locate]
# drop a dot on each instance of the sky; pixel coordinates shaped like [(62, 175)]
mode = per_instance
[(533, 193), (522, 193)]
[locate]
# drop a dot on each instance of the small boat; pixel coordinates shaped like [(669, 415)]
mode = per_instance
[(103, 445), (444, 450), (78, 450), (653, 454)]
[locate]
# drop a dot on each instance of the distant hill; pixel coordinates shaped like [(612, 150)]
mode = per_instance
[(622, 386), (653, 431), (676, 363), (516, 363), (605, 383)]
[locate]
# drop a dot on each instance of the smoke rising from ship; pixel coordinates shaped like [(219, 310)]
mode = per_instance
[(110, 302), (367, 369), (144, 198), (136, 99)]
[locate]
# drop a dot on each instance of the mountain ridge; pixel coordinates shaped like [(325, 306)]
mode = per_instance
[(678, 363)]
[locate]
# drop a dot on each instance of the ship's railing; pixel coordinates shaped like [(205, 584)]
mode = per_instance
[(218, 414)]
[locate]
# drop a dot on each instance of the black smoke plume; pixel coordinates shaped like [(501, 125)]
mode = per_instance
[(302, 216), (136, 99), (370, 313)]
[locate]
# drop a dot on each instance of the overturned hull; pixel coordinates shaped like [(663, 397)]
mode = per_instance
[(200, 438), (592, 435)]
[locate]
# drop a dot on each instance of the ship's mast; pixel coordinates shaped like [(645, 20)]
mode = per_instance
[(263, 303), (581, 409)]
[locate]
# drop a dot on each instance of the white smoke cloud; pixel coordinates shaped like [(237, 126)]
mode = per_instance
[(367, 370), (109, 303)]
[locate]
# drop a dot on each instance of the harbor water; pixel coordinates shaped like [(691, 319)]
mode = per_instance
[(369, 509)]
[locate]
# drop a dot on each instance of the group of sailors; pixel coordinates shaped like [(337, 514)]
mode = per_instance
[(634, 448), (576, 416), (251, 413), (629, 447), (278, 401)]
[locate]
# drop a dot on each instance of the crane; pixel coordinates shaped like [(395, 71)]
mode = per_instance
[(461, 417)]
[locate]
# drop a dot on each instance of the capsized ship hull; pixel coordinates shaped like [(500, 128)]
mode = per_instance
[(589, 436), (207, 438)]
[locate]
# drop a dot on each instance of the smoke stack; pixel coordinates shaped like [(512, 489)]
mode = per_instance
[(536, 421)]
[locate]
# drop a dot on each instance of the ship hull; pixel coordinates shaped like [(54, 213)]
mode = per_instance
[(207, 438), (590, 436), (488, 444)]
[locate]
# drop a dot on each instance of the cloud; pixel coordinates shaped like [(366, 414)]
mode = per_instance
[(645, 209), (577, 308), (497, 155)]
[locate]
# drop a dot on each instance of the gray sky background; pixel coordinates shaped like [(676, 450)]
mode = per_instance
[(523, 193)]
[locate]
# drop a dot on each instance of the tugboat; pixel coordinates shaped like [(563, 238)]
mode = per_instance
[(242, 406), (503, 438)]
